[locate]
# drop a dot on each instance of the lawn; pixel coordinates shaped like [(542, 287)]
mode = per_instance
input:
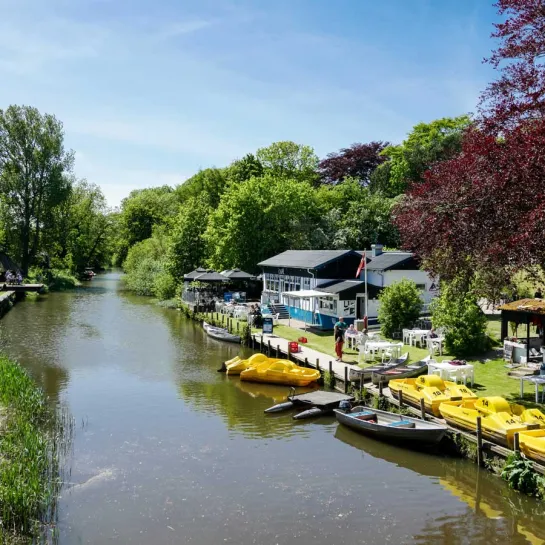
[(490, 371)]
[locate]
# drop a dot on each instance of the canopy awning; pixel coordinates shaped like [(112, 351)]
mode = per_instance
[(303, 294)]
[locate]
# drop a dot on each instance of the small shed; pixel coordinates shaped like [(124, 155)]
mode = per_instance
[(529, 312)]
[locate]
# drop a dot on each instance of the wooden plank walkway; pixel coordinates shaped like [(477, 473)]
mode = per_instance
[(18, 288), (320, 398)]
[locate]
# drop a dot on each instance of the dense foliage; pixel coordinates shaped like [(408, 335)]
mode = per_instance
[(457, 311), (400, 306), (45, 213)]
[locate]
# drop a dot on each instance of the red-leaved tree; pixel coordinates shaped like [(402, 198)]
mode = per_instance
[(484, 210), (519, 93), (358, 161)]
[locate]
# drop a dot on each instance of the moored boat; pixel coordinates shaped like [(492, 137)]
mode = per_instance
[(498, 422), (432, 389), (236, 367), (356, 375), (532, 444), (220, 333), (390, 426), (280, 372), (401, 372)]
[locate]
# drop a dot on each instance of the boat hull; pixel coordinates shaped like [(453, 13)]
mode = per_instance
[(532, 444), (221, 334), (280, 372), (423, 432)]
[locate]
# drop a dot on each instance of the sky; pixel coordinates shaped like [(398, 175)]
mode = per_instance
[(151, 92)]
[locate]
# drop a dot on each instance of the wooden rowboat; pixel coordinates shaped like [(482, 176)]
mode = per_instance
[(409, 371), (390, 426), (356, 375)]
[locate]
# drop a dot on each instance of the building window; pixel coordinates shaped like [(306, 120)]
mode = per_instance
[(421, 287), (306, 283)]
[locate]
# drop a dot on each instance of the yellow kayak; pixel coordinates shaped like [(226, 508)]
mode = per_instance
[(236, 365), (432, 389), (532, 444), (498, 423), (280, 372)]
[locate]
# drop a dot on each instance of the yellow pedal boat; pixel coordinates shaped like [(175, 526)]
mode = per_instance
[(236, 365), (532, 444), (280, 372), (432, 389), (498, 422)]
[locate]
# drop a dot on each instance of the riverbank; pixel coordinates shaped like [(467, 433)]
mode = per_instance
[(30, 449), (7, 300)]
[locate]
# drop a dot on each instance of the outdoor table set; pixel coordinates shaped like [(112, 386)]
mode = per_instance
[(446, 370), (537, 381)]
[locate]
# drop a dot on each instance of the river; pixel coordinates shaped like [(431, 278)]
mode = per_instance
[(168, 451)]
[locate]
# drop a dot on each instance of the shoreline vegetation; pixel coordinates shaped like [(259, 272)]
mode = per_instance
[(34, 439)]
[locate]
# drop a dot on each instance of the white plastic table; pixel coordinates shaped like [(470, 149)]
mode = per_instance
[(445, 369), (418, 335), (379, 346), (537, 380)]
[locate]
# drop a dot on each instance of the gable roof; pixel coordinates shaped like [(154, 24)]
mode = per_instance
[(304, 259), (388, 260), (339, 286), (191, 275), (7, 264), (237, 274)]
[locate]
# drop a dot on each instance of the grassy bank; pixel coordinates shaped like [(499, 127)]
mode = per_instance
[(31, 440)]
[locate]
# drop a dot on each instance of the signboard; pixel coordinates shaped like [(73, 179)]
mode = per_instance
[(227, 297), (267, 326), (507, 351)]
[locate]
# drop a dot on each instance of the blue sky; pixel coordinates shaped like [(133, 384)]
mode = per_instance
[(150, 92)]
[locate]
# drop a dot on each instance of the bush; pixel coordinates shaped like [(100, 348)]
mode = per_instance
[(464, 322), (400, 305), (164, 286), (520, 475)]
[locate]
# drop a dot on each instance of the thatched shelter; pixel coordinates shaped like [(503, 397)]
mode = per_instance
[(7, 264)]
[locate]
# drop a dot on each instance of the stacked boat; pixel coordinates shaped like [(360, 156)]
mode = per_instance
[(260, 368)]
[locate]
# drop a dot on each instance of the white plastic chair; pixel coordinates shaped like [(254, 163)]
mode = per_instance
[(406, 336)]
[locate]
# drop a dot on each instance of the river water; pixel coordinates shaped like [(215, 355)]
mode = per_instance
[(168, 451)]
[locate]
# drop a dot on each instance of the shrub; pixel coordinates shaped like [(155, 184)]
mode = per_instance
[(520, 475), (463, 320), (400, 306), (164, 286)]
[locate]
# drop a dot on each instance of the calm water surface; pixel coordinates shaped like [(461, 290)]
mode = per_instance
[(168, 451)]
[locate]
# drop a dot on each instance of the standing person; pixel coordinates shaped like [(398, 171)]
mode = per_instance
[(338, 332)]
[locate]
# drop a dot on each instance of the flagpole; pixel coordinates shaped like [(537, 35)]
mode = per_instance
[(365, 267)]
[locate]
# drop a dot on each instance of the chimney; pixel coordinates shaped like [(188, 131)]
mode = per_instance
[(376, 249)]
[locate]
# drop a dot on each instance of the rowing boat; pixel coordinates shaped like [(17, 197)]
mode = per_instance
[(361, 374), (402, 372), (390, 426)]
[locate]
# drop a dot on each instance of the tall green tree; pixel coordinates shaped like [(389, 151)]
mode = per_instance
[(208, 184), (244, 169), (290, 160), (426, 144), (187, 249), (259, 218), (33, 164)]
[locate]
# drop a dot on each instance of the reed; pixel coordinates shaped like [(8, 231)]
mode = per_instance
[(34, 440)]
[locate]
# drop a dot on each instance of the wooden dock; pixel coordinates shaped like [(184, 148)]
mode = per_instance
[(320, 398), (21, 288)]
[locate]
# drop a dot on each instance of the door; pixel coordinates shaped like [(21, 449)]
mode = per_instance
[(360, 307)]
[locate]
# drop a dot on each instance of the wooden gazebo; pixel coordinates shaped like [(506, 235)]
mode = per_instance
[(530, 312)]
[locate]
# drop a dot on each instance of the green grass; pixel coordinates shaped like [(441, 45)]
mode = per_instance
[(29, 456)]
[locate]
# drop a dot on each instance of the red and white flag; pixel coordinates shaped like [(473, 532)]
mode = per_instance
[(361, 267)]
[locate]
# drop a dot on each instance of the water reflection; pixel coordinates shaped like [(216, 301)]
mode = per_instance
[(519, 517)]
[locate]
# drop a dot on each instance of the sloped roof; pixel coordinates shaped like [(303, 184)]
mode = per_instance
[(531, 306), (7, 264), (237, 274), (304, 259), (191, 275), (388, 260), (339, 286), (210, 276)]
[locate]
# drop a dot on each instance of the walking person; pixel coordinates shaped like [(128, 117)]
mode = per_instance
[(338, 333)]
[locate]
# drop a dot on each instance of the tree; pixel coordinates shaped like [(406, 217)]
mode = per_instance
[(245, 168), (33, 162), (259, 218), (426, 144), (357, 162), (208, 184), (519, 93), (464, 322), (400, 305), (187, 248), (289, 160)]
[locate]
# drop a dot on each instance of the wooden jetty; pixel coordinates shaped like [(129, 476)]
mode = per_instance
[(21, 288), (317, 403)]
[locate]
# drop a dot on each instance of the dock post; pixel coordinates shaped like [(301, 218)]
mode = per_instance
[(237, 326), (289, 352), (261, 344), (379, 387), (345, 380), (269, 349), (253, 342), (361, 388), (330, 367), (516, 445), (306, 362), (400, 398), (277, 350), (422, 409), (479, 442), (318, 364)]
